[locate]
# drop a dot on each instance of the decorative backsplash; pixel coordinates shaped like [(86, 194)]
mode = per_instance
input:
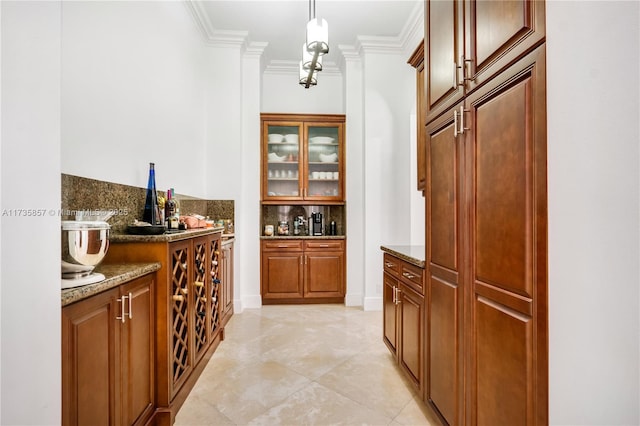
[(85, 196), (272, 214)]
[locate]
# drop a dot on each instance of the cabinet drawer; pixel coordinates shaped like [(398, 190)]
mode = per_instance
[(282, 245), (391, 265), (413, 277), (323, 245)]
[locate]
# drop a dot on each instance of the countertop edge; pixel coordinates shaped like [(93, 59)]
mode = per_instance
[(116, 274), (303, 237), (406, 253), (189, 233)]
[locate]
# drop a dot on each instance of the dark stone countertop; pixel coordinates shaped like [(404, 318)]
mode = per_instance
[(303, 237), (166, 237), (115, 274), (412, 254)]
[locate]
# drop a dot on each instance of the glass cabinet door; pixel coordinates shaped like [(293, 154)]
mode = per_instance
[(323, 159), (283, 171)]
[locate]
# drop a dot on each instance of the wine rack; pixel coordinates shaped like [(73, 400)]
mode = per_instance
[(214, 252), (180, 313), (201, 337)]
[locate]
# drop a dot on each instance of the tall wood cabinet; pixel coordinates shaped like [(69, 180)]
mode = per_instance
[(188, 295), (417, 61), (486, 212), (108, 348)]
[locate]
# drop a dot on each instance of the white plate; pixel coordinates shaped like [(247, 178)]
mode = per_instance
[(322, 140)]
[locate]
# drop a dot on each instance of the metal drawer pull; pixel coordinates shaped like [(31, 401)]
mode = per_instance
[(130, 307), (389, 265), (408, 275), (122, 313), (324, 245)]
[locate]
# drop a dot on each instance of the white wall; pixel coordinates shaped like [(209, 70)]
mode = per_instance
[(282, 93), (134, 80), (30, 265), (593, 168)]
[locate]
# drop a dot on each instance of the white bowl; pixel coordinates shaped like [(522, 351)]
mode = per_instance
[(321, 140), (291, 138), (275, 137), (328, 158), (273, 157)]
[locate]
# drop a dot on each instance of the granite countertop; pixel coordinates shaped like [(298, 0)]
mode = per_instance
[(303, 237), (412, 254), (115, 274), (167, 237)]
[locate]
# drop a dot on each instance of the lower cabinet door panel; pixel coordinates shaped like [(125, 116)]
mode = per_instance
[(411, 324), (282, 273), (324, 274), (444, 349), (502, 374), (390, 316)]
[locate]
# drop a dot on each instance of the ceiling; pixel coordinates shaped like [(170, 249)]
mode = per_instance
[(281, 23)]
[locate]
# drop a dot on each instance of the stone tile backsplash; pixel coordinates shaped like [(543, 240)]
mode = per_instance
[(87, 196)]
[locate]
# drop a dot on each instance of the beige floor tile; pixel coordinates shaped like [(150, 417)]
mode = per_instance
[(303, 365)]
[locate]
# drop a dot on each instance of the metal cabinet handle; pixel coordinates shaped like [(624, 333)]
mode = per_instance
[(122, 309), (398, 291), (394, 295), (130, 306), (462, 111), (455, 123), (389, 264)]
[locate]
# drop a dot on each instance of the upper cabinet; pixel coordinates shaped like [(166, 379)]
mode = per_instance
[(417, 61), (302, 158), (467, 42)]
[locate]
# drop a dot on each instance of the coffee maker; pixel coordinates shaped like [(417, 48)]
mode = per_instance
[(317, 225)]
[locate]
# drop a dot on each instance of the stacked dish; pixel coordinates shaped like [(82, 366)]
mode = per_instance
[(328, 158), (274, 158), (322, 140), (275, 137)]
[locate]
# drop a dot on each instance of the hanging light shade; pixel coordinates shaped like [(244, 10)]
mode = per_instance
[(308, 60), (318, 36), (307, 78)]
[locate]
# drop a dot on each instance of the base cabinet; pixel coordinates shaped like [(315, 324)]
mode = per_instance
[(303, 271), (107, 357), (403, 317), (188, 311), (226, 289)]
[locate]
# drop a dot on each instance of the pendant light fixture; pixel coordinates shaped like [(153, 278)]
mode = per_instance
[(316, 45)]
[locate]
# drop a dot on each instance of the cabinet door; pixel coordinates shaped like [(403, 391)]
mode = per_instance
[(282, 161), (390, 320), (324, 274), (507, 184), (90, 347), (180, 359), (282, 275), (444, 388), (227, 281), (444, 48), (498, 33), (411, 321), (324, 167), (138, 380)]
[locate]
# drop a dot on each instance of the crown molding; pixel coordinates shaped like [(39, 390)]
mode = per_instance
[(211, 35)]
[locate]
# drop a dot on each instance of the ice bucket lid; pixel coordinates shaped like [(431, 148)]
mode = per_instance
[(76, 225)]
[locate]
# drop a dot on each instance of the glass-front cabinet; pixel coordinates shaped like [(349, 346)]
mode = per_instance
[(302, 158)]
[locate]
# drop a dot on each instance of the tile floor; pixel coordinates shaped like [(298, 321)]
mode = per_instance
[(303, 365)]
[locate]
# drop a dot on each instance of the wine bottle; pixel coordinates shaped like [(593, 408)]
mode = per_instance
[(151, 210), (170, 209)]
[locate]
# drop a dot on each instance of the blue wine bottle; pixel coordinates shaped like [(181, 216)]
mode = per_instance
[(150, 214)]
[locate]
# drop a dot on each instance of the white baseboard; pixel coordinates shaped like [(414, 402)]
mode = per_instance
[(373, 303), (353, 300), (248, 302)]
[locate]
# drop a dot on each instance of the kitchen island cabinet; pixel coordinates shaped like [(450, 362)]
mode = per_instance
[(404, 310), (188, 307), (303, 270), (108, 350)]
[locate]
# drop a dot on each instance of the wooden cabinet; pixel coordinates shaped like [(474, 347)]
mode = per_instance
[(302, 158), (108, 357), (303, 271), (467, 42), (417, 61), (226, 289), (188, 309), (403, 317), (486, 247)]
